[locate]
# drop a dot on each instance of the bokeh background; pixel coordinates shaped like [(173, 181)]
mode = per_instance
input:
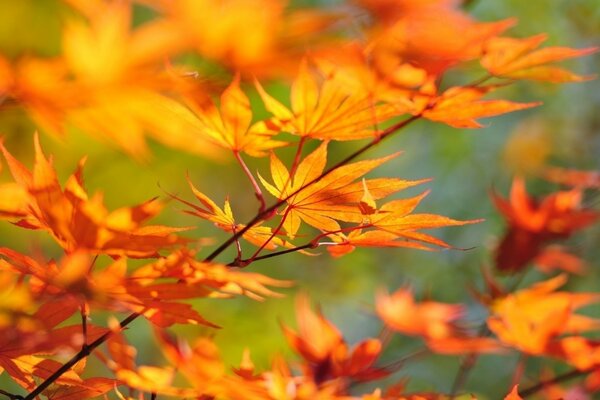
[(465, 164)]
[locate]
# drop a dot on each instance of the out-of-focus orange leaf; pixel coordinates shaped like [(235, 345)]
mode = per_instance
[(181, 265), (432, 35), (533, 223), (555, 257), (530, 318), (519, 59), (326, 354), (317, 338), (428, 319), (581, 352), (461, 106), (572, 177)]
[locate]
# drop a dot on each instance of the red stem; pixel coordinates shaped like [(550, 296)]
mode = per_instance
[(257, 191)]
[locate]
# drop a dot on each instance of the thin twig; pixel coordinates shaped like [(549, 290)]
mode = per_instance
[(243, 263), (567, 376), (11, 396), (83, 353)]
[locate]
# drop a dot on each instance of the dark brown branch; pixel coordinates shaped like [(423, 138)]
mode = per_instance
[(567, 376), (83, 353), (243, 263), (270, 210), (11, 396)]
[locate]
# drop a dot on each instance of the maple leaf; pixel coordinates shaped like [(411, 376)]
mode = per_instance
[(202, 366), (437, 323), (327, 355), (530, 318), (145, 378), (428, 319), (223, 219), (353, 67), (256, 37), (328, 112), (519, 59), (23, 345), (76, 221), (459, 107), (394, 225), (533, 223), (556, 257), (572, 177), (225, 281), (432, 35), (231, 126), (321, 200), (581, 352)]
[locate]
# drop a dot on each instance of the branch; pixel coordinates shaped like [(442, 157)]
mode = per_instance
[(11, 396), (557, 379), (268, 211), (83, 353)]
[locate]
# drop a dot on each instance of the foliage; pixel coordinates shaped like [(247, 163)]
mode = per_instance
[(357, 72)]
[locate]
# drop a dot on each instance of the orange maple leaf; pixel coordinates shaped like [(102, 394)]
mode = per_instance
[(530, 318), (322, 200), (231, 126), (223, 219), (461, 106), (533, 223), (76, 221), (325, 351), (519, 59), (328, 112)]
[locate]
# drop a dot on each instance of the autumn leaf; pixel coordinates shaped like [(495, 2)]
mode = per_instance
[(77, 221), (225, 281), (145, 378), (532, 223), (230, 126), (326, 112), (460, 107), (223, 219), (325, 351), (530, 318), (427, 319), (572, 177), (201, 364), (521, 59), (322, 200)]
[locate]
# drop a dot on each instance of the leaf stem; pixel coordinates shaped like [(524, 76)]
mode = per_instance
[(257, 191), (83, 353)]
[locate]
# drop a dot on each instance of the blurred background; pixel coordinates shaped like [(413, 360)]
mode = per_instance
[(465, 166)]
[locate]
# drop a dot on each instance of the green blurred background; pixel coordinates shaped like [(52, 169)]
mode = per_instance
[(465, 165)]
